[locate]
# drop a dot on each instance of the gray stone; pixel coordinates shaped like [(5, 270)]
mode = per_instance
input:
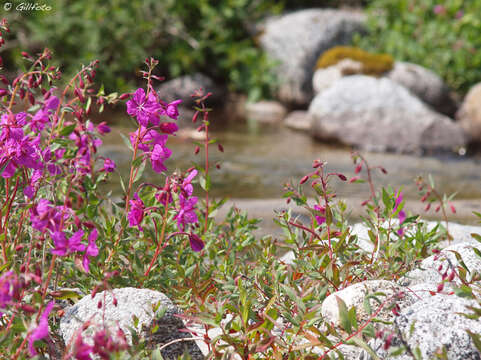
[(298, 120), (265, 111), (436, 323), (380, 115), (326, 77), (130, 302), (354, 295), (183, 87), (425, 84), (429, 272), (297, 39), (469, 115)]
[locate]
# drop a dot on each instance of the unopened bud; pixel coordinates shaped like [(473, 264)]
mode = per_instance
[(358, 168), (125, 96), (220, 147), (304, 179), (194, 118), (197, 149), (440, 287)]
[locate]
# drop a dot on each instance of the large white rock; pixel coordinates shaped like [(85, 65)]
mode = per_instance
[(425, 84), (355, 294), (469, 115), (429, 270), (380, 115), (130, 302), (297, 39), (431, 325)]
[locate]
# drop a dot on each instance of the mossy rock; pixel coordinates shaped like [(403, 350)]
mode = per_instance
[(372, 64)]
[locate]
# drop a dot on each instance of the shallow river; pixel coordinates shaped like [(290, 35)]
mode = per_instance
[(259, 158)]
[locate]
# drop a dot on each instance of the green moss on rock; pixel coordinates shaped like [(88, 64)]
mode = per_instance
[(372, 64)]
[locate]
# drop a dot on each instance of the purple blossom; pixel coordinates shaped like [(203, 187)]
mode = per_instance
[(9, 289), (41, 331), (171, 109), (91, 250), (186, 212), (401, 215), (103, 128), (320, 219), (30, 189), (82, 350), (64, 246), (439, 9), (145, 108), (158, 156), (17, 149), (136, 213), (186, 186), (196, 242), (47, 216), (168, 127), (109, 165)]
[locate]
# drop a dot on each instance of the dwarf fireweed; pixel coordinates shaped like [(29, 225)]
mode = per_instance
[(55, 231)]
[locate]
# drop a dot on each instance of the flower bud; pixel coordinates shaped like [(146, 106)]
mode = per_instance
[(358, 168), (440, 287), (125, 96), (220, 147), (304, 179), (197, 149)]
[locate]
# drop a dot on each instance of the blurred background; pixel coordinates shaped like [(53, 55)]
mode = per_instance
[(289, 78)]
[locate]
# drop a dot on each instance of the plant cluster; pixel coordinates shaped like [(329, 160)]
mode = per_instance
[(441, 35), (61, 237)]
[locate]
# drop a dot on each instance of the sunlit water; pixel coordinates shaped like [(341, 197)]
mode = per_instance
[(259, 159)]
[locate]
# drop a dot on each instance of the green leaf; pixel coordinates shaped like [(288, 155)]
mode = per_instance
[(205, 183), (476, 339), (362, 344), (126, 142), (344, 315), (67, 130)]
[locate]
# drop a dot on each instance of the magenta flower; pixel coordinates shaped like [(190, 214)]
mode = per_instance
[(91, 250), (41, 331), (196, 242), (145, 108), (186, 212), (186, 186), (82, 350), (9, 289), (401, 215), (158, 156), (109, 165), (171, 109), (103, 128), (30, 189), (64, 246), (439, 9), (168, 127), (46, 216), (320, 219), (136, 213)]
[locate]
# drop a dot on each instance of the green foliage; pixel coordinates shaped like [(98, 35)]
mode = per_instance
[(446, 38), (372, 64), (186, 36)]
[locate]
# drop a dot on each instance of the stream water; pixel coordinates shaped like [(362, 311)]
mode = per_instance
[(259, 159)]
